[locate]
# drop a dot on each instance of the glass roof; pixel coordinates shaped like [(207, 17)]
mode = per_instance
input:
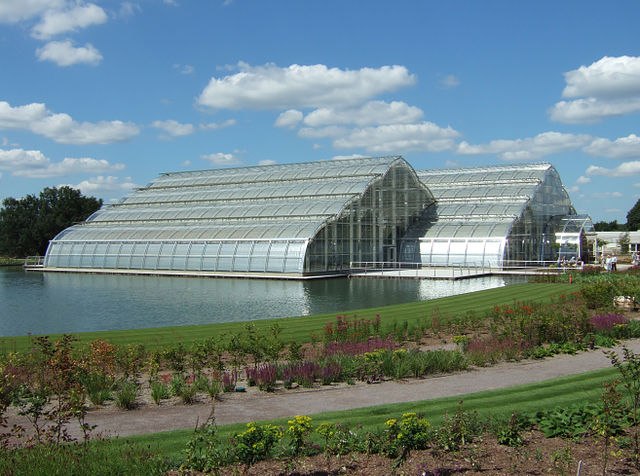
[(497, 173), (574, 224), (481, 201), (288, 201)]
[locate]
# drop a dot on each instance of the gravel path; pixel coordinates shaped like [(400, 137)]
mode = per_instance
[(256, 405)]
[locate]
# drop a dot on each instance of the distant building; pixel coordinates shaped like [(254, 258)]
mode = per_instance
[(317, 218), (610, 240)]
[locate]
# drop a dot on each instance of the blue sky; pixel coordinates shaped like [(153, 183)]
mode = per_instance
[(106, 95)]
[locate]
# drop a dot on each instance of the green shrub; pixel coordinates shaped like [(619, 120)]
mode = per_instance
[(98, 387), (256, 443), (457, 430), (126, 394), (159, 391)]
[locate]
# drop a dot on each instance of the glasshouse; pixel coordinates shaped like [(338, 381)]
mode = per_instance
[(320, 218), (495, 216), (304, 218)]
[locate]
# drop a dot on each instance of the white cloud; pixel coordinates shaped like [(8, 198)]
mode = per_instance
[(34, 164), (289, 119), (622, 148), (21, 117), (612, 210), (530, 148), (63, 53), (398, 138), (128, 9), (623, 170), (61, 127), (602, 195), (186, 163), (300, 86), (174, 128), (452, 163), (19, 159), (12, 11), (322, 132), (218, 125), (582, 179), (105, 185), (69, 166), (371, 113), (573, 189), (222, 159), (606, 88), (607, 77), (592, 109), (450, 81), (267, 162), (184, 68), (54, 22)]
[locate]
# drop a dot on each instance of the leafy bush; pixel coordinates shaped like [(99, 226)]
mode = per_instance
[(606, 322), (457, 430), (256, 443), (98, 387), (205, 451), (126, 394), (159, 391), (567, 422)]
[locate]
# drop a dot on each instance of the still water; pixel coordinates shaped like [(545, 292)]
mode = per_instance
[(44, 303)]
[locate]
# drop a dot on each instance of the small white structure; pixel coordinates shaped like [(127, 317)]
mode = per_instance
[(609, 241)]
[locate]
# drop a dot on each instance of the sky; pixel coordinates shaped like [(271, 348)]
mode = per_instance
[(105, 95)]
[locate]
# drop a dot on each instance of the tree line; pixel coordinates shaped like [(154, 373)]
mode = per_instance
[(27, 224), (633, 222)]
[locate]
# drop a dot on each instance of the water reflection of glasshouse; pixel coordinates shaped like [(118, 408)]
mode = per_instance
[(322, 217)]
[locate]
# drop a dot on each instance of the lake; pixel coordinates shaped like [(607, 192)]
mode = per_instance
[(46, 303)]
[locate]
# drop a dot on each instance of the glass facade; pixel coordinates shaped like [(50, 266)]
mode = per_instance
[(489, 216), (301, 218), (320, 217), (571, 237)]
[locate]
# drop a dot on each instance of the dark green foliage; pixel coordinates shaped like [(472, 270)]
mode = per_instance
[(101, 458), (610, 226), (27, 224), (633, 217), (568, 422), (510, 433)]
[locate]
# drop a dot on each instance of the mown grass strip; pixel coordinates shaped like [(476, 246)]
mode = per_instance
[(527, 398), (301, 328)]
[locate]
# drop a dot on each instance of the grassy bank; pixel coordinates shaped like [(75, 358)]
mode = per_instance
[(528, 398), (11, 261), (301, 328)]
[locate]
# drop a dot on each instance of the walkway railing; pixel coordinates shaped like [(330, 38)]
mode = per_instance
[(443, 270), (34, 262), (410, 269)]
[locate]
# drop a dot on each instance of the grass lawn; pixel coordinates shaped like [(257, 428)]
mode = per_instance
[(301, 328), (528, 398)]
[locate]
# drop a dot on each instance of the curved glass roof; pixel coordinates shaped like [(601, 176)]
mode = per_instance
[(481, 201), (264, 202)]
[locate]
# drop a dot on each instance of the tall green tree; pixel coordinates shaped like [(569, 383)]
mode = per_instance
[(27, 224), (609, 226), (633, 217)]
